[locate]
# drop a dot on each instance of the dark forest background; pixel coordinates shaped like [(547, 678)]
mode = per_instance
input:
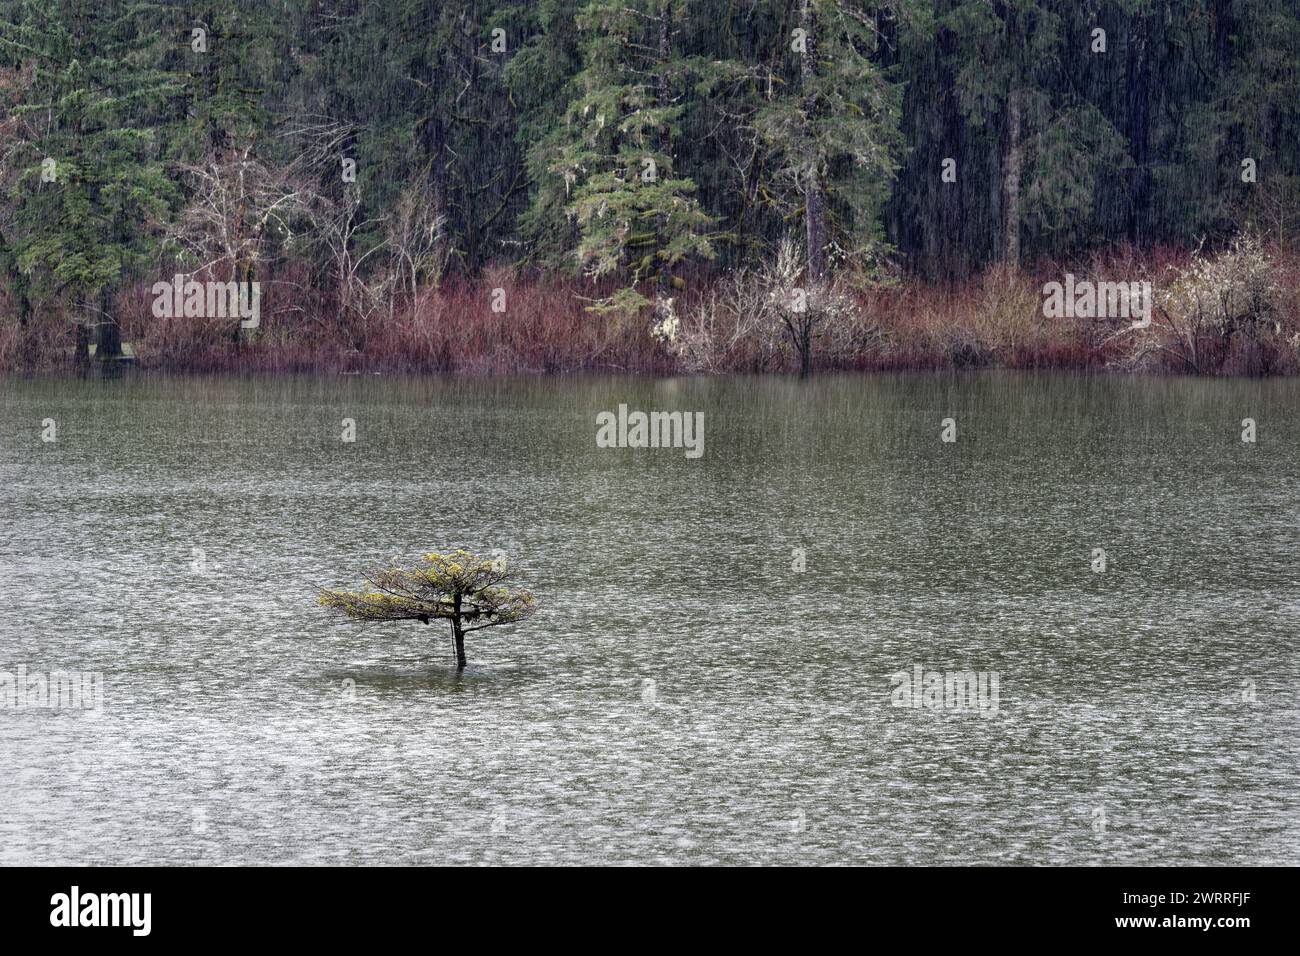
[(361, 153)]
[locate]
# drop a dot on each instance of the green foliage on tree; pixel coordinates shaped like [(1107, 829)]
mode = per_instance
[(93, 190), (541, 81), (636, 218), (468, 591), (638, 142), (831, 130)]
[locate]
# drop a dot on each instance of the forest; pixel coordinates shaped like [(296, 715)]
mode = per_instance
[(656, 186)]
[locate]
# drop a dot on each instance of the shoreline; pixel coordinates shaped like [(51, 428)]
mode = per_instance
[(1234, 313), (146, 373)]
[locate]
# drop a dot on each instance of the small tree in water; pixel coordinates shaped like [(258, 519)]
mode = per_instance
[(459, 587)]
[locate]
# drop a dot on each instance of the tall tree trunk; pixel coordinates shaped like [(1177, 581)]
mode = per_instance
[(664, 280), (814, 201), (1011, 177), (1225, 25), (886, 53), (81, 351), (109, 342), (662, 81), (953, 250), (436, 145), (216, 55), (1139, 126), (885, 57)]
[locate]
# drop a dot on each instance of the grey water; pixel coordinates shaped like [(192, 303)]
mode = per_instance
[(708, 677)]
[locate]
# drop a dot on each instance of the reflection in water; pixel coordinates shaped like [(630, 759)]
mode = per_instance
[(708, 677)]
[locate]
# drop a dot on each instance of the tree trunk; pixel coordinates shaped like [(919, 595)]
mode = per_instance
[(436, 146), (20, 286), (663, 279), (947, 249), (1015, 165), (1225, 25), (815, 218), (664, 90), (814, 202), (81, 351), (460, 645), (242, 274), (109, 342), (1139, 127), (459, 634), (805, 349)]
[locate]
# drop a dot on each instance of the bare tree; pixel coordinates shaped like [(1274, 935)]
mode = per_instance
[(415, 238), (1207, 304), (750, 313), (1275, 206), (734, 318), (339, 232), (802, 300), (241, 211)]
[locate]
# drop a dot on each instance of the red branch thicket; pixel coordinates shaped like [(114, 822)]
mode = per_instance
[(995, 319)]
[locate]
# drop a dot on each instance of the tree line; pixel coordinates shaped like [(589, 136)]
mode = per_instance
[(636, 142)]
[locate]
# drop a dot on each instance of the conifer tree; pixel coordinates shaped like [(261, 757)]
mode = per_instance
[(831, 131), (637, 218), (93, 189)]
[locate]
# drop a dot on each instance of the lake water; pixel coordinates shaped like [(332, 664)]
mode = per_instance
[(684, 694)]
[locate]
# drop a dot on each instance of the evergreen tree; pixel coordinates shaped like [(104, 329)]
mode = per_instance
[(832, 131), (631, 138), (636, 218), (94, 188), (541, 81)]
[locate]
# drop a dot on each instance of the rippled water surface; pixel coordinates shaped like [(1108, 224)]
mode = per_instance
[(683, 694)]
